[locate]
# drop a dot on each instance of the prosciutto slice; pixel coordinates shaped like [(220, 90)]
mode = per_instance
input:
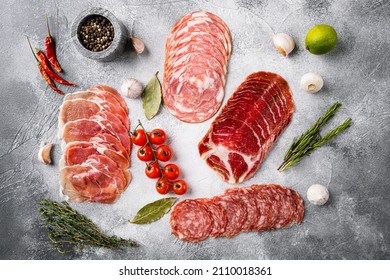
[(242, 134), (94, 127)]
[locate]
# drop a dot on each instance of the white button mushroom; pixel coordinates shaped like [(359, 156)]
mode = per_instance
[(131, 88), (318, 194), (311, 82), (284, 43)]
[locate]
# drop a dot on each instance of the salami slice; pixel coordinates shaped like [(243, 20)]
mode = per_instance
[(235, 211), (219, 216), (191, 221), (247, 195)]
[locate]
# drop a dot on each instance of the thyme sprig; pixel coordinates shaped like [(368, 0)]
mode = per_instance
[(68, 229), (311, 139)]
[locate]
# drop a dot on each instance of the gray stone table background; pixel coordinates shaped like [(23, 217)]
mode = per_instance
[(355, 166)]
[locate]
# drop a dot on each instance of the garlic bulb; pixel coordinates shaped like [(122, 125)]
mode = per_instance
[(44, 154), (311, 82), (138, 45), (318, 194), (131, 88), (284, 43)]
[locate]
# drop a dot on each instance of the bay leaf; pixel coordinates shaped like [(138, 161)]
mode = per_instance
[(152, 97), (153, 211)]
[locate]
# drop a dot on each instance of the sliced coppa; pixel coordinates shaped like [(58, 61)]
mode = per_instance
[(235, 211), (248, 125), (191, 221), (218, 214)]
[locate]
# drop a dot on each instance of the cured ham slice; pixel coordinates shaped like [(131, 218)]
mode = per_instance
[(197, 54), (254, 208), (246, 128), (94, 127)]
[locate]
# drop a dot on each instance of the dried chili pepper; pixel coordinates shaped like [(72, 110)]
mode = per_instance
[(50, 49), (51, 73), (44, 74)]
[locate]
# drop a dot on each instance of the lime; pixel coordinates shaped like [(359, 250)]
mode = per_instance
[(321, 39)]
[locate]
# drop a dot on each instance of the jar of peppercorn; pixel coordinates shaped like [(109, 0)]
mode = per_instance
[(98, 34)]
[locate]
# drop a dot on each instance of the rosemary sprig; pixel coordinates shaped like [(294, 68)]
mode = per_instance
[(69, 229), (311, 139)]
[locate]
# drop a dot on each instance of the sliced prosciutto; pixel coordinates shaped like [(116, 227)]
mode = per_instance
[(94, 126), (252, 120), (197, 54), (254, 208)]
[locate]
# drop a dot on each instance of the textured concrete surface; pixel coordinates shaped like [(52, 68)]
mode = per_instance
[(355, 166)]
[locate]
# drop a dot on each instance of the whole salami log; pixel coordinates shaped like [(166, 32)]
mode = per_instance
[(254, 208)]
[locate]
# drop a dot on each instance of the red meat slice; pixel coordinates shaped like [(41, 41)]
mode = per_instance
[(102, 89), (247, 195), (98, 179), (218, 214), (193, 93), (191, 221), (235, 211), (103, 122), (78, 152), (248, 125), (81, 105)]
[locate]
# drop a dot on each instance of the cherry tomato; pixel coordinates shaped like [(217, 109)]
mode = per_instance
[(157, 136), (139, 137), (145, 153), (163, 153), (152, 170), (171, 171), (179, 187), (163, 186)]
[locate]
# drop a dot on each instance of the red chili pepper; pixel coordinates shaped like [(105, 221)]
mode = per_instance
[(51, 73), (47, 78), (50, 48)]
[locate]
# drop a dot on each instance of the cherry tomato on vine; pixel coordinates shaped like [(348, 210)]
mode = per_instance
[(152, 170), (179, 187), (171, 171), (163, 186), (157, 136), (163, 153), (145, 153), (139, 137)]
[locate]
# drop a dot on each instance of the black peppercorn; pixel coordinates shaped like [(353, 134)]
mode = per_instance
[(96, 33)]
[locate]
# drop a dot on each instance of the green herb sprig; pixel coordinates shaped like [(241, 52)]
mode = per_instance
[(68, 229), (311, 139)]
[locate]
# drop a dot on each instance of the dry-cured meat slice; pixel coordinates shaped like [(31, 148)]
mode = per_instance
[(193, 93), (101, 89), (248, 125), (235, 211), (218, 214), (191, 221), (247, 195)]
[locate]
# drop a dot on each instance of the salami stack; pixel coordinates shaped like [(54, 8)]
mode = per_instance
[(197, 54), (94, 127), (254, 208)]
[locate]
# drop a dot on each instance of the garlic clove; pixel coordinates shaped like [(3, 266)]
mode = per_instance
[(138, 45), (312, 82), (284, 43), (44, 154), (131, 88)]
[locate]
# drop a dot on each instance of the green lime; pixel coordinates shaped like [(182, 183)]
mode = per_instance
[(321, 39)]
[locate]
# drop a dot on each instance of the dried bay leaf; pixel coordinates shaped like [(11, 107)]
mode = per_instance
[(152, 97), (153, 211)]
